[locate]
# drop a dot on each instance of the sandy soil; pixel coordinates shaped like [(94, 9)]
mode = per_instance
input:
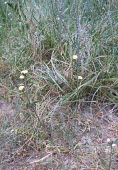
[(88, 149)]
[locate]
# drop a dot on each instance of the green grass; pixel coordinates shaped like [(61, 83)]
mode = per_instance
[(42, 37)]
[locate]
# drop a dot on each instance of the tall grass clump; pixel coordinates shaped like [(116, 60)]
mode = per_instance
[(69, 49)]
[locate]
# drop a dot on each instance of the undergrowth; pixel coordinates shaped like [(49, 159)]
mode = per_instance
[(69, 49)]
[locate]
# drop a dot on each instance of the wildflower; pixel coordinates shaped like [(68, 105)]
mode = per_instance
[(114, 145), (9, 14), (12, 130), (108, 140), (74, 57), (22, 76), (24, 72), (21, 88), (80, 77)]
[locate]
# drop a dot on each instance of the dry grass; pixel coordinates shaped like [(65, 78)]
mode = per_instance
[(64, 139), (55, 120)]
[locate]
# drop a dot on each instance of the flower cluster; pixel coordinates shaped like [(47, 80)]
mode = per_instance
[(75, 57), (22, 76), (24, 72)]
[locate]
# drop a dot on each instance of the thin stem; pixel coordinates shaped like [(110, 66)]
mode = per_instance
[(110, 160)]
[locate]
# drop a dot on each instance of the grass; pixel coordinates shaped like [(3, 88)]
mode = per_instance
[(42, 37)]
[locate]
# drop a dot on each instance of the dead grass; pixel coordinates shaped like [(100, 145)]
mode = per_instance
[(70, 139)]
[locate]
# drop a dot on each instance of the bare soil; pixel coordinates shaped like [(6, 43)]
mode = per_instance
[(86, 148)]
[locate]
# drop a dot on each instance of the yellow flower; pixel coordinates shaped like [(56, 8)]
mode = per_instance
[(21, 88), (80, 77), (22, 76), (24, 72), (74, 57)]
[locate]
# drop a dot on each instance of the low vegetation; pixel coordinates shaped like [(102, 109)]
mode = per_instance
[(59, 68)]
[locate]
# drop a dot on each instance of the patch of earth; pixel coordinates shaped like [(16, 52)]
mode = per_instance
[(80, 145)]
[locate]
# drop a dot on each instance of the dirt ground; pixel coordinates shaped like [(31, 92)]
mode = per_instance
[(92, 146)]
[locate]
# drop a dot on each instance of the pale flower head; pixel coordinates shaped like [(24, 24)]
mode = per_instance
[(108, 140), (22, 76), (114, 145), (24, 72), (21, 88), (74, 57), (80, 77), (12, 130)]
